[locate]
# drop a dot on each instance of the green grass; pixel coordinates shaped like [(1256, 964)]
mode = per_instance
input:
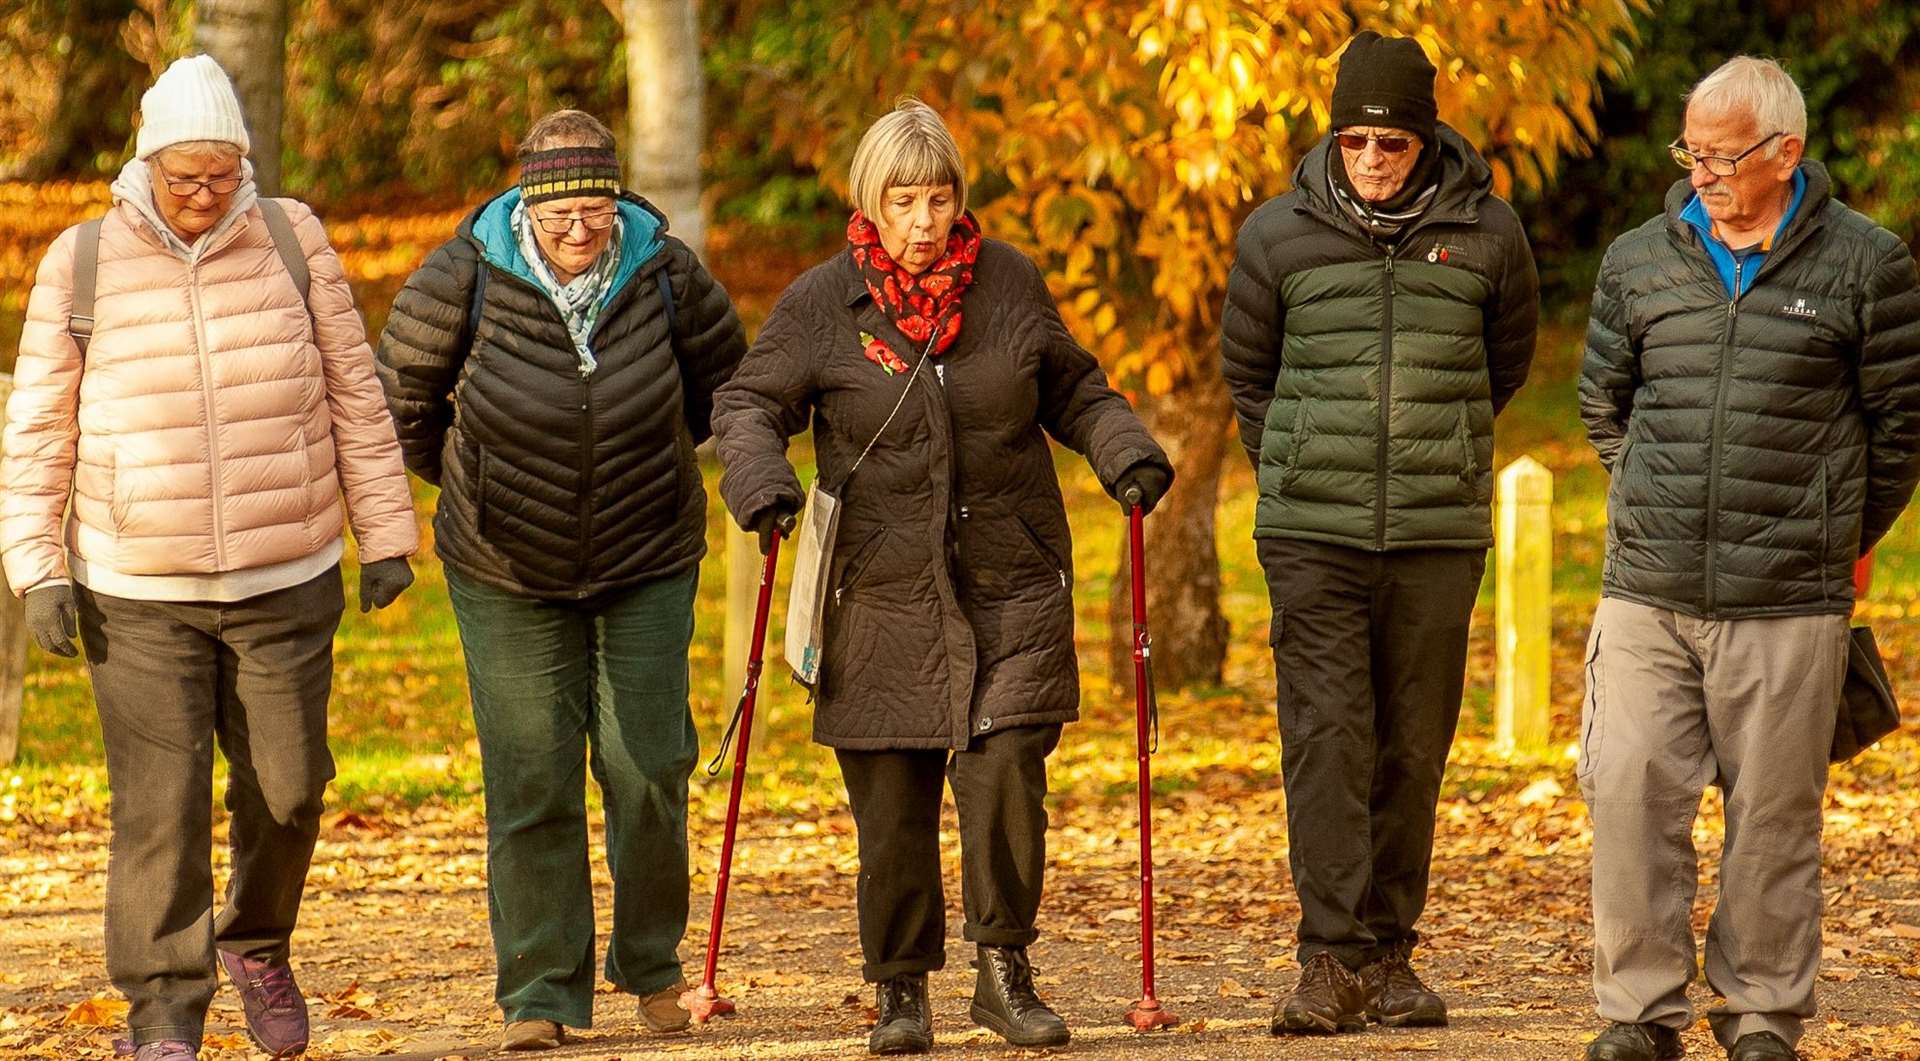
[(402, 734)]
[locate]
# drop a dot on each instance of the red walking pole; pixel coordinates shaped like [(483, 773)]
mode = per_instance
[(704, 1002), (1146, 1013)]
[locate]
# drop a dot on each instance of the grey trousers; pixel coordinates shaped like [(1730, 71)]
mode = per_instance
[(169, 680), (1673, 704)]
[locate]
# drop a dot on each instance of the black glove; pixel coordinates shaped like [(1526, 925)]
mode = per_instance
[(1151, 482), (777, 515), (382, 581), (52, 619)]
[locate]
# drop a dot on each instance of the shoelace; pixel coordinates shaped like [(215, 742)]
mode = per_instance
[(1318, 972), (1400, 974), (1017, 976), (900, 997), (276, 987)]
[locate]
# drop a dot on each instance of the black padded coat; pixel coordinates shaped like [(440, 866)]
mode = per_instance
[(1758, 445)]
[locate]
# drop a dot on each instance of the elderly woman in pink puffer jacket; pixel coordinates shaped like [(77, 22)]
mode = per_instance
[(202, 411)]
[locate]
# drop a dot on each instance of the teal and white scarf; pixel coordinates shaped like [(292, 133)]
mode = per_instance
[(581, 299)]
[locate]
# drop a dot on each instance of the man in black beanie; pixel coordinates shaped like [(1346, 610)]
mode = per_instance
[(1378, 316)]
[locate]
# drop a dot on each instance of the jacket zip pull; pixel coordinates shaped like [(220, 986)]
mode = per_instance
[(941, 371), (1063, 576)]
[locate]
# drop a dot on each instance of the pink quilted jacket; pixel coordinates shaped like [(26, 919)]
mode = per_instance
[(212, 425)]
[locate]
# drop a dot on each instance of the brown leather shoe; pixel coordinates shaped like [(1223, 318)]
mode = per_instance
[(532, 1035), (1396, 997), (1328, 999), (662, 1011)]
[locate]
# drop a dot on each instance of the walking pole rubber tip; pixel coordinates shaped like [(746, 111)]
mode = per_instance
[(704, 1003), (1147, 1014)]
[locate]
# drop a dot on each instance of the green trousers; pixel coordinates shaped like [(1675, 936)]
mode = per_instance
[(561, 687)]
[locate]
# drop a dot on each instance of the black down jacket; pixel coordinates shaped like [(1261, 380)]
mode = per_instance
[(951, 612), (1757, 445), (555, 483), (1366, 377)]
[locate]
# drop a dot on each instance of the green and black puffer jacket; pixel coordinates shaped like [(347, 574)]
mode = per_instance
[(1366, 377), (1757, 445)]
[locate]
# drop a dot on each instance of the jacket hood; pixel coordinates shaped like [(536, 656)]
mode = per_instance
[(490, 227), (1465, 177)]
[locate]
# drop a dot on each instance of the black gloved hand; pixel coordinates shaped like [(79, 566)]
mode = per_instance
[(779, 515), (382, 581), (1151, 482), (52, 619)]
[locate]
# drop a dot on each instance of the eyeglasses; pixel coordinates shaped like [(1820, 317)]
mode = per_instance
[(187, 189), (1718, 165), (1392, 145), (560, 226)]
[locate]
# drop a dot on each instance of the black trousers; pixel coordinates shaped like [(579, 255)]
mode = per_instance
[(1000, 788), (172, 679), (1369, 653)]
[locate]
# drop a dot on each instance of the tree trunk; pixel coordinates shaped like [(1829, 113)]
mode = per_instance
[(249, 39), (666, 124), (666, 131), (1189, 630)]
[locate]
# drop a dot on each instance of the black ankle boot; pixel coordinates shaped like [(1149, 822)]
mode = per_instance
[(1004, 1000), (906, 1022)]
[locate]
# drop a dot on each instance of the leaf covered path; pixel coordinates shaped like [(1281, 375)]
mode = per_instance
[(394, 952)]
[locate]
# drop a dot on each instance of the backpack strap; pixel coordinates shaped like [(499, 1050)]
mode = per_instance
[(666, 295), (288, 244), (86, 271), (476, 302)]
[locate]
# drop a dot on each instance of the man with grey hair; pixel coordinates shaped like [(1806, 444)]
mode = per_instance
[(1752, 385)]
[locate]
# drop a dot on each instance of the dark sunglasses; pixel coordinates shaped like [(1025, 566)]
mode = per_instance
[(1718, 165), (1392, 145)]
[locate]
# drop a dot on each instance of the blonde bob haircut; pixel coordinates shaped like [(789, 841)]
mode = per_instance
[(908, 147)]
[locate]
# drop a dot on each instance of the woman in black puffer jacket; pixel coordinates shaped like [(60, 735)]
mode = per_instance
[(949, 628), (551, 369)]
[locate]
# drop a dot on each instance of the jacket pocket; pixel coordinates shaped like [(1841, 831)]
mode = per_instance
[(1463, 437), (1296, 441), (1592, 707), (857, 562), (480, 490), (1047, 556)]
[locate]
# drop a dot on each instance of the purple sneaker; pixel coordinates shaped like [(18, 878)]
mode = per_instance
[(276, 1012), (159, 1050)]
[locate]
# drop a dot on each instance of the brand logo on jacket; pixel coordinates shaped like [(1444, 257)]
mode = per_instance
[(1441, 254), (1800, 309), (1374, 110)]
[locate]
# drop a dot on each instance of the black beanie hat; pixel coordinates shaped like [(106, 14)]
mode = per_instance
[(1385, 81)]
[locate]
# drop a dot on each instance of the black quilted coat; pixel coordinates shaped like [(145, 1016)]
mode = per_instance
[(951, 609), (1757, 445), (554, 483)]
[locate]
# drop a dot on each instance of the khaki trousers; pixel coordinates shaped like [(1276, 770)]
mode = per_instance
[(1673, 704)]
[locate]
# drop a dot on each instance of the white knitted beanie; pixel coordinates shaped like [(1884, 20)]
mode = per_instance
[(191, 100)]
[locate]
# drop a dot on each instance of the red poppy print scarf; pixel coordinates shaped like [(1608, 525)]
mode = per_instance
[(924, 305)]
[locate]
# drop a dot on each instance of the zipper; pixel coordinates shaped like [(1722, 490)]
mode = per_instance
[(1386, 398), (586, 483), (1046, 554), (206, 398), (1719, 419)]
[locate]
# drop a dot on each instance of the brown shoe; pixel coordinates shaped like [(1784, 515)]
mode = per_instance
[(532, 1035), (1396, 997), (662, 1011), (1328, 999)]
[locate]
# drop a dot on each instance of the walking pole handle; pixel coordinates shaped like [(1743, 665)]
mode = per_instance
[(1133, 497)]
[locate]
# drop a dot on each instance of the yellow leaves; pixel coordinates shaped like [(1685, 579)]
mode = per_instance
[(1159, 379), (97, 1012)]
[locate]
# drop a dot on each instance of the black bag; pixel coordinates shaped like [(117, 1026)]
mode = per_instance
[(1868, 709)]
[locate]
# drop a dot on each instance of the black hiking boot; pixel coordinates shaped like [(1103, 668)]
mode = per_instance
[(1004, 1000), (905, 1025), (1761, 1046), (1395, 995), (1636, 1042), (1328, 999)]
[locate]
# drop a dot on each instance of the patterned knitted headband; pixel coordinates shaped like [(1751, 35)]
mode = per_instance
[(564, 172)]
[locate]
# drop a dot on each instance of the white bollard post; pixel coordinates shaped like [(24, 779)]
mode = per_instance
[(1523, 607), (13, 643)]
